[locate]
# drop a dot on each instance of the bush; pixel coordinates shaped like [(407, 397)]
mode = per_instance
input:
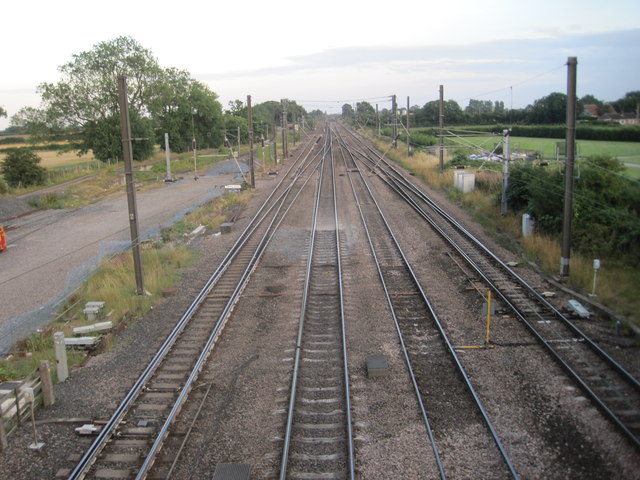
[(606, 206), (20, 168)]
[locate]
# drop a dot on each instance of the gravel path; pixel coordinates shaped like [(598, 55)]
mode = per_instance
[(50, 252)]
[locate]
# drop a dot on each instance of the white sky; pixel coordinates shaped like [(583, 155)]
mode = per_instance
[(341, 52)]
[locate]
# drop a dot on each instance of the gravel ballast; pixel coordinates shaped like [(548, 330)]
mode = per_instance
[(549, 429)]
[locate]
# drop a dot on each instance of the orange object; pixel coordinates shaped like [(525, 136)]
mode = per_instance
[(3, 240)]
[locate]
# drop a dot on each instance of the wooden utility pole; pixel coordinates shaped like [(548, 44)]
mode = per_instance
[(378, 119), (505, 171), (275, 143), (565, 258), (408, 144), (252, 178), (284, 130), (394, 114), (441, 135), (127, 149)]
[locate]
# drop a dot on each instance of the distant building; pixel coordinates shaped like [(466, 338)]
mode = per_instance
[(590, 110), (621, 118)]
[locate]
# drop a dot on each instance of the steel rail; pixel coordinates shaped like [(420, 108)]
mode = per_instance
[(296, 361), (108, 430), (401, 185), (264, 242), (327, 152), (399, 179), (345, 359), (443, 335)]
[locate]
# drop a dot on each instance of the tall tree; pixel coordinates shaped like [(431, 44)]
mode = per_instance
[(88, 90), (550, 109), (365, 113), (453, 114), (347, 111), (186, 109), (630, 103), (86, 98)]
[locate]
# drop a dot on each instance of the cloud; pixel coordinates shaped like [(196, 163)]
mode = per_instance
[(531, 68)]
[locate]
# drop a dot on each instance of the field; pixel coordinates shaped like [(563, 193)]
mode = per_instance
[(53, 158), (626, 152)]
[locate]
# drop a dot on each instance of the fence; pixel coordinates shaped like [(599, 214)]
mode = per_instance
[(63, 171), (15, 404)]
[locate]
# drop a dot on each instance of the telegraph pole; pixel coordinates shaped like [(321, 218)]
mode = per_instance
[(408, 144), (441, 123), (284, 130), (127, 150), (394, 114), (572, 64), (275, 144), (378, 119), (505, 171), (252, 178)]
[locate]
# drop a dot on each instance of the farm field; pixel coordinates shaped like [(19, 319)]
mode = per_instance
[(53, 158), (626, 152)]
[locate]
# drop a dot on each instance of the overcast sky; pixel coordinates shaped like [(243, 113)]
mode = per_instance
[(344, 51)]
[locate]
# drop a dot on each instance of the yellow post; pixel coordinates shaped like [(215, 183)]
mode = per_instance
[(487, 340)]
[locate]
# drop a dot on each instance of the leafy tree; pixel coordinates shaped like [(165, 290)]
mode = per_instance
[(186, 109), (266, 115), (294, 111), (37, 124), (87, 96), (231, 125), (550, 109), (237, 107), (89, 88), (104, 138), (453, 114), (365, 113), (20, 167), (347, 111), (630, 103), (3, 112)]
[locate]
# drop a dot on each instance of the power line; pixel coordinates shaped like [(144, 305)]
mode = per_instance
[(510, 87)]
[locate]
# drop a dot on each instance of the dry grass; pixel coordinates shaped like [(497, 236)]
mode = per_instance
[(424, 165), (56, 159)]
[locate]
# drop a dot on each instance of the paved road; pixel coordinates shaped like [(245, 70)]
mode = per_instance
[(49, 251)]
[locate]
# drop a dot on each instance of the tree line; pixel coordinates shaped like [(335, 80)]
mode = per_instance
[(83, 106), (547, 110)]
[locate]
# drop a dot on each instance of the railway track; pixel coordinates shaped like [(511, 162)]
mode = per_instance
[(130, 441), (611, 388), (442, 387), (318, 441), (318, 433)]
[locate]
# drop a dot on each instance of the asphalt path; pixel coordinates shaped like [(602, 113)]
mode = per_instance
[(49, 252)]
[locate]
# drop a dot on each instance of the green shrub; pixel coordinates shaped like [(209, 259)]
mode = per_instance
[(20, 168)]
